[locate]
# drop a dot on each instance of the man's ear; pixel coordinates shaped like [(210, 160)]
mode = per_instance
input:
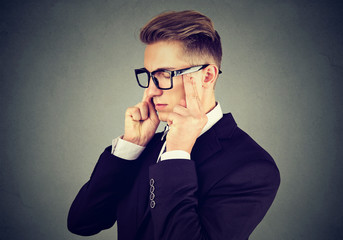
[(210, 76)]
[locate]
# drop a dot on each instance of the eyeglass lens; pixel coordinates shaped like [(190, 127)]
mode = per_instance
[(163, 79)]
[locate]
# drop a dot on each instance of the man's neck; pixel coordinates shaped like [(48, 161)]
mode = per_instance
[(208, 104)]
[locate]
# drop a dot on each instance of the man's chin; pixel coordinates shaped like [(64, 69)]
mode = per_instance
[(163, 116)]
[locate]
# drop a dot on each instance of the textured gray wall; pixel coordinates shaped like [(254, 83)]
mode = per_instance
[(67, 78)]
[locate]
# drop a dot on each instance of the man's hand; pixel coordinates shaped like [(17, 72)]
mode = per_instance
[(141, 122), (187, 119)]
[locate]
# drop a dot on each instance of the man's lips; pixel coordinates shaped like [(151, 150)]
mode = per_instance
[(160, 106)]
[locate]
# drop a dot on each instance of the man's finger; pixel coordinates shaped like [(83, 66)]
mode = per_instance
[(144, 109), (134, 113), (152, 112), (192, 99), (181, 110), (173, 118)]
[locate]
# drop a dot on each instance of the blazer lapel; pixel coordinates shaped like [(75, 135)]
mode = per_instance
[(205, 146), (208, 143)]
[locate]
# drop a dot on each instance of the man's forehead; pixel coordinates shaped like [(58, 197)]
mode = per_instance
[(166, 55)]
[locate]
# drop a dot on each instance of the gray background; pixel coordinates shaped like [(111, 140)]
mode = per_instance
[(67, 78)]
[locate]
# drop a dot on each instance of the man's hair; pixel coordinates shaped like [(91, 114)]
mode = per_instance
[(193, 29)]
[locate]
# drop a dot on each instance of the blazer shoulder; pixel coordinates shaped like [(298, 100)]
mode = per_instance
[(237, 156)]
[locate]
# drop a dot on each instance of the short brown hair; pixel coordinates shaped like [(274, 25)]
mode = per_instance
[(193, 29)]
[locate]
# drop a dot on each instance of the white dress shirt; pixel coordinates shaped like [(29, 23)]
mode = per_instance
[(131, 151)]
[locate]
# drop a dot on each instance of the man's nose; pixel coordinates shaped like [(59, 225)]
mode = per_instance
[(153, 90)]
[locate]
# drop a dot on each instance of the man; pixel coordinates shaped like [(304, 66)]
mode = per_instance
[(203, 177)]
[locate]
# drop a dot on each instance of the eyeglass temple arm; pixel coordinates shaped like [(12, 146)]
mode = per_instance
[(191, 70)]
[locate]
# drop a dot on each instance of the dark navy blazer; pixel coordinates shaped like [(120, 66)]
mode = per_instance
[(222, 193)]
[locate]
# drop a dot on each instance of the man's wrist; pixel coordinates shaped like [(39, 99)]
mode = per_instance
[(136, 140)]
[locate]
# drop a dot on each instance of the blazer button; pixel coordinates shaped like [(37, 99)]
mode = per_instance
[(152, 181), (152, 189), (152, 203), (152, 196)]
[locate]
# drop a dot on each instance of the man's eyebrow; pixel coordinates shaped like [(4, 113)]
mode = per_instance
[(164, 68)]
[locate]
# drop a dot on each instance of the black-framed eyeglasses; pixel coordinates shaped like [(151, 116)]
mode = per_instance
[(162, 78)]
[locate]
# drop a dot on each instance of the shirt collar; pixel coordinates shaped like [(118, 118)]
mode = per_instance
[(213, 117)]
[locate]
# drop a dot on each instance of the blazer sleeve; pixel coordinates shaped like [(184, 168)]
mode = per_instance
[(231, 209), (95, 206)]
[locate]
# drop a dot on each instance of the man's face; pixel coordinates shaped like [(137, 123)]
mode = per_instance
[(169, 56)]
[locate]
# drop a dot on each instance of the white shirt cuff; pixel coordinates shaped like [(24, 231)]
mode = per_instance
[(176, 154), (126, 150)]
